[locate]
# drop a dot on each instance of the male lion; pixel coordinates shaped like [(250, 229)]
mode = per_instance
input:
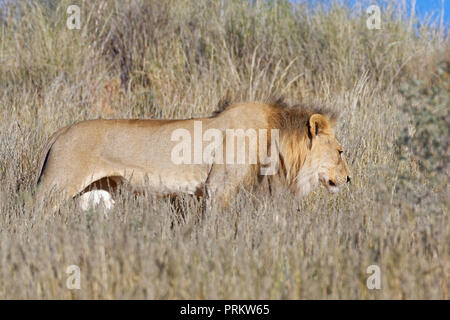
[(167, 157)]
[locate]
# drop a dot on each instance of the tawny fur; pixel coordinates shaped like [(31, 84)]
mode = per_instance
[(138, 152)]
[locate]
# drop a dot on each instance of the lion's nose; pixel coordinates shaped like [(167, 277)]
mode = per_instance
[(348, 179)]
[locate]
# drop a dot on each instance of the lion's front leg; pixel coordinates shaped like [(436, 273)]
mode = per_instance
[(223, 183)]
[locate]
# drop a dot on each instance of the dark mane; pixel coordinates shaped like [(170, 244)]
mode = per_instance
[(297, 116), (285, 116), (224, 103)]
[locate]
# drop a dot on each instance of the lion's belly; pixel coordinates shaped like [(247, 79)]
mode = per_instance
[(164, 181), (169, 183)]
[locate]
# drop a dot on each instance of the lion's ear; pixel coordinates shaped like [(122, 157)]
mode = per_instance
[(317, 124)]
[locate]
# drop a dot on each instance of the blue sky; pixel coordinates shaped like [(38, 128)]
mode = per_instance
[(424, 9)]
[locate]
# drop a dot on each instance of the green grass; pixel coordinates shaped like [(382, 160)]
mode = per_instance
[(177, 60)]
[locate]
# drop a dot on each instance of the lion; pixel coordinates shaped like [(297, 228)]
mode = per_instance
[(170, 157)]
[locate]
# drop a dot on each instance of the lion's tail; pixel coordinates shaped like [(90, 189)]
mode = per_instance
[(46, 151)]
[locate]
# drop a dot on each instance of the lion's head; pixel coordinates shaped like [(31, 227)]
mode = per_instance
[(309, 150), (327, 155)]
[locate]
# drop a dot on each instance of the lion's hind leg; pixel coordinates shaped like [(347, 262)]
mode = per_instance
[(53, 190), (55, 187)]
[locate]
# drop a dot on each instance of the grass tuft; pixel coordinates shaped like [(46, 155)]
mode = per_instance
[(177, 59)]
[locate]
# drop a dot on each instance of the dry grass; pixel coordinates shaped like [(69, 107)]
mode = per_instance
[(178, 59)]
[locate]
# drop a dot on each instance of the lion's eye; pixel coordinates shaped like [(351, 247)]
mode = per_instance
[(340, 152)]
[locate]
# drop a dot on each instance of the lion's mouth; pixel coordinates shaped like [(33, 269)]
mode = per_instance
[(330, 185)]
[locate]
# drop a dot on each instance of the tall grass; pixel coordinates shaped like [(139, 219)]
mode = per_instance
[(177, 59)]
